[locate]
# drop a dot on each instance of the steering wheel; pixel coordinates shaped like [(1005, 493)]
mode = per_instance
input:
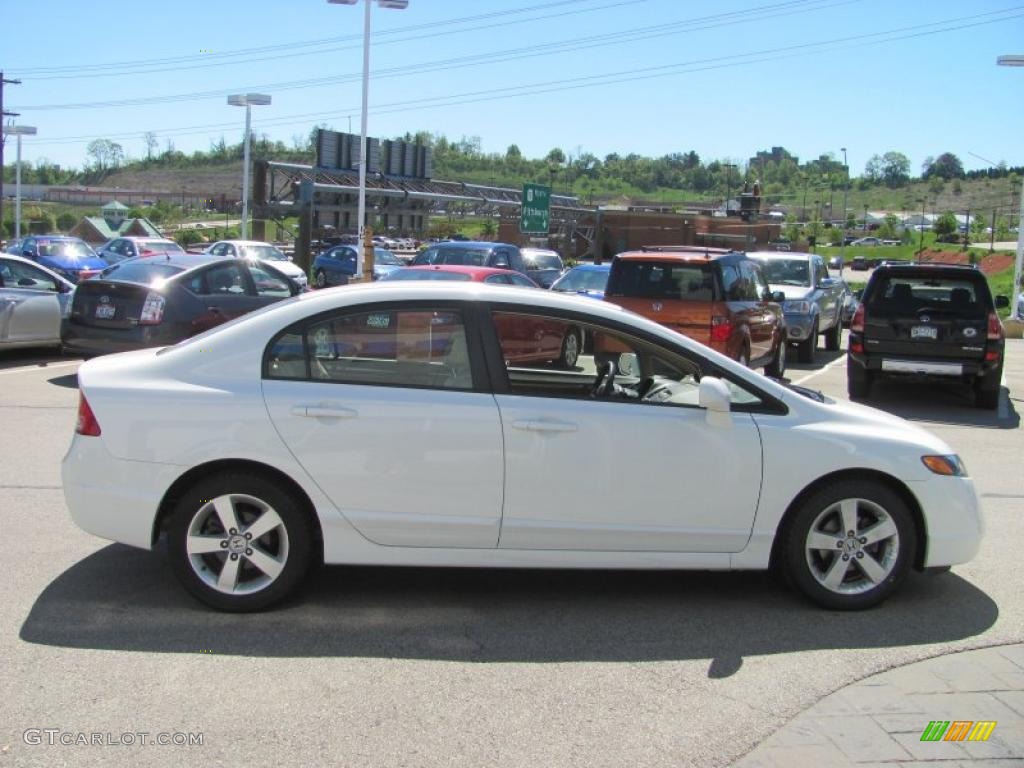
[(604, 385)]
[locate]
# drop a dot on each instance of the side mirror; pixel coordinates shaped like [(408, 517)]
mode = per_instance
[(27, 253), (827, 282), (778, 297), (713, 395), (26, 282), (1002, 302)]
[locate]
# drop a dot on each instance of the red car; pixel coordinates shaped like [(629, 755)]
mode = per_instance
[(522, 340)]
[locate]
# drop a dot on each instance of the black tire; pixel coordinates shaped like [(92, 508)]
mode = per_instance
[(986, 391), (290, 542), (858, 381), (807, 568), (321, 279), (806, 349), (777, 367), (571, 345), (834, 336)]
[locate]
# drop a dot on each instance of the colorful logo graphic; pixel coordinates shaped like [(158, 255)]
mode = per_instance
[(958, 730)]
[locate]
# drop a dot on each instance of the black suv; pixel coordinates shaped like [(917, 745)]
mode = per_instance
[(927, 320)]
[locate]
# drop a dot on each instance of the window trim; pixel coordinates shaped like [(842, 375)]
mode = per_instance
[(471, 322), (770, 405)]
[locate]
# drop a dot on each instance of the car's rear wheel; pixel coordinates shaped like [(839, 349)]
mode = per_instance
[(807, 347), (834, 336), (858, 381), (570, 353), (986, 391), (321, 279), (849, 545), (238, 542), (777, 366)]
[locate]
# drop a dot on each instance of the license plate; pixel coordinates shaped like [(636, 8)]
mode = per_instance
[(105, 311), (924, 332)]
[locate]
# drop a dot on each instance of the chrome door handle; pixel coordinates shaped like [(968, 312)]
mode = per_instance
[(543, 425), (323, 412)]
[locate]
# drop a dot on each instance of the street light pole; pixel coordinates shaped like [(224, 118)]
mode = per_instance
[(846, 185), (19, 131), (247, 100), (1016, 61), (361, 211)]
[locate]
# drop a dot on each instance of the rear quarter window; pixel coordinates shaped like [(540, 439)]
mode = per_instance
[(663, 280)]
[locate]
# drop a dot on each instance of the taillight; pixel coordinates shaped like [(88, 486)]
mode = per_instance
[(152, 310), (87, 424), (147, 252), (721, 328), (857, 324), (995, 328)]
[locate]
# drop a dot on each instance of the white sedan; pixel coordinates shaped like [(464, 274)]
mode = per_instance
[(33, 299), (430, 424)]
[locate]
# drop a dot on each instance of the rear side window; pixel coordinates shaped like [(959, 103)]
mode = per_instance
[(663, 280), (899, 293), (470, 257), (384, 347)]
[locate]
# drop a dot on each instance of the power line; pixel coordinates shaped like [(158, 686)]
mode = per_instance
[(644, 73), (490, 57), (290, 48)]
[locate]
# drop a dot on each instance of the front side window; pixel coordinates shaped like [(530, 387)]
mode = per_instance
[(14, 274), (268, 284), (615, 365), (388, 346)]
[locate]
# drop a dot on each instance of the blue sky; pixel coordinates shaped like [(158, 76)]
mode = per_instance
[(648, 76)]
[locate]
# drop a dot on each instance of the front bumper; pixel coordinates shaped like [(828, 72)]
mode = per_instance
[(798, 327), (953, 520), (113, 498)]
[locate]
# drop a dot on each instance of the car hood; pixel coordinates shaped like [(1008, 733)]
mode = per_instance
[(73, 262), (289, 268), (792, 292)]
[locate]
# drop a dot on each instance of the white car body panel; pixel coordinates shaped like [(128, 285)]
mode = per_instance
[(204, 401), (31, 316)]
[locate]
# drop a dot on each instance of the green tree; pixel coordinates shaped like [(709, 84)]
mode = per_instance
[(978, 224), (105, 154), (186, 237), (888, 228), (946, 166), (489, 228), (555, 156), (895, 169), (66, 221), (946, 226)]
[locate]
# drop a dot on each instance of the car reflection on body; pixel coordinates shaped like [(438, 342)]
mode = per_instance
[(384, 425)]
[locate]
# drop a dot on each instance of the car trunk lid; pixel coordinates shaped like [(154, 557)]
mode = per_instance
[(109, 304)]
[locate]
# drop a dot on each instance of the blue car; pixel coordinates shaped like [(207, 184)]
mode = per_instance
[(336, 265), (587, 279), (69, 257)]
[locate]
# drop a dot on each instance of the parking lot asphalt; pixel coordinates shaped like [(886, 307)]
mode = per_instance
[(422, 667)]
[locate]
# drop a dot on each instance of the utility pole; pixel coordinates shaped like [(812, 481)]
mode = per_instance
[(3, 114)]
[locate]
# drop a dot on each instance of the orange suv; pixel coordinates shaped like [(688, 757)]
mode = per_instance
[(715, 296)]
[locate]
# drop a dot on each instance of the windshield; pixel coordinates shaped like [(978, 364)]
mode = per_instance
[(425, 274), (386, 257), (582, 280), (542, 260), (65, 249), (470, 257), (144, 272), (265, 252), (786, 271), (912, 294)]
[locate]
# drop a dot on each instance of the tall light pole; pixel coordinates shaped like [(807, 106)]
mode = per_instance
[(395, 5), (247, 100), (846, 186), (1016, 61), (19, 131)]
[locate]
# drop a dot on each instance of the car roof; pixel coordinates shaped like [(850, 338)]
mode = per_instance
[(242, 242), (592, 267), (476, 273), (471, 244), (677, 253), (778, 255), (183, 260), (145, 237), (916, 267)]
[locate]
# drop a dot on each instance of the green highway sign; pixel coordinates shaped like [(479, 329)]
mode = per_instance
[(535, 215)]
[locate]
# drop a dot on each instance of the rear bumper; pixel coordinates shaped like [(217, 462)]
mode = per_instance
[(953, 520), (911, 365), (112, 498), (88, 340)]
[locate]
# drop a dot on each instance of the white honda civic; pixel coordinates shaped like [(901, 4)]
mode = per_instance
[(442, 424)]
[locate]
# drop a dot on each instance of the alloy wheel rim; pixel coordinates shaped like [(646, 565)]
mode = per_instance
[(237, 544), (852, 546), (321, 280), (572, 350)]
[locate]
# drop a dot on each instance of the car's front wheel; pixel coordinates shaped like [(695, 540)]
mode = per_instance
[(321, 279), (807, 347), (777, 367), (834, 336), (570, 353), (238, 542), (849, 545)]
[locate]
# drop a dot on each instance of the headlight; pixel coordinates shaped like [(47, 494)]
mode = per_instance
[(797, 307), (950, 466)]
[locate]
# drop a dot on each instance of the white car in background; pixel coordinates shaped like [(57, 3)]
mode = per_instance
[(33, 299), (254, 249), (418, 424)]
